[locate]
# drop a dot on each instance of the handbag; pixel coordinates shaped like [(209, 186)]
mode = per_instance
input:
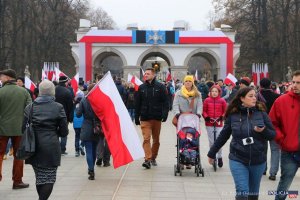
[(27, 144), (175, 118)]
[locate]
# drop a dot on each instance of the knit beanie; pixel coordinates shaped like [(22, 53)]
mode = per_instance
[(188, 78), (246, 81), (46, 88)]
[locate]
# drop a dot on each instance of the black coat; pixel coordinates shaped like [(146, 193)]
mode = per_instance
[(49, 123), (241, 125), (64, 97), (151, 101), (270, 97), (89, 120)]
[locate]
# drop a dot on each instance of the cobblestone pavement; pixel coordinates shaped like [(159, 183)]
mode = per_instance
[(132, 182)]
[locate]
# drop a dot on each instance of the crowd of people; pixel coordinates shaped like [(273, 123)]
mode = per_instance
[(253, 116)]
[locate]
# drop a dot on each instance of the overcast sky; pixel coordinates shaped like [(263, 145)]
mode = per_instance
[(157, 14)]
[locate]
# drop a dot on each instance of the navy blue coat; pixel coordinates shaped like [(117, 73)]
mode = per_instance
[(241, 125)]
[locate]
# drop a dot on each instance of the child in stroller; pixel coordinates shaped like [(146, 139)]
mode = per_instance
[(188, 150), (188, 147)]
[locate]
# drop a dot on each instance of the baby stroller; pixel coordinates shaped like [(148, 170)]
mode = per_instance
[(188, 122)]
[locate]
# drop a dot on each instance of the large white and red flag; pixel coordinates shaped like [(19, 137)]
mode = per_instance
[(75, 82), (120, 133), (135, 81), (29, 84), (230, 79)]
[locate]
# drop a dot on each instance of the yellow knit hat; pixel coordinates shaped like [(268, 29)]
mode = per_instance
[(188, 78)]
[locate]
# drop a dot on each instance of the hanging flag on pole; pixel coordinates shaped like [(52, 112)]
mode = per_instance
[(121, 135), (59, 73), (29, 84), (196, 75), (135, 81), (44, 75), (230, 79), (254, 74)]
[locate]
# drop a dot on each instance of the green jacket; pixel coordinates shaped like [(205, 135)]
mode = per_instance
[(13, 100)]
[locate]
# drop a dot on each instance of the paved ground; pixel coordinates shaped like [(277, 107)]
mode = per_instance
[(132, 182)]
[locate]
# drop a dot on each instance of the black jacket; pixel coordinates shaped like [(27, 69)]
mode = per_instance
[(49, 123), (151, 101), (64, 97), (270, 97), (89, 121), (240, 125)]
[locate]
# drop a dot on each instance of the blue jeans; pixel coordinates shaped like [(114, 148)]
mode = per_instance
[(77, 139), (288, 170), (90, 148), (131, 113), (246, 178), (275, 157)]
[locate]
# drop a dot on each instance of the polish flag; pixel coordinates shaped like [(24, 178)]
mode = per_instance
[(74, 83), (196, 75), (230, 79), (29, 84), (59, 73), (266, 70), (135, 81), (44, 75), (123, 141), (254, 74), (143, 72), (261, 74), (168, 76)]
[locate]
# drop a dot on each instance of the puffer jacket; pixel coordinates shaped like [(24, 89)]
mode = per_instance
[(89, 119), (181, 104), (49, 122), (214, 107), (241, 125), (151, 101)]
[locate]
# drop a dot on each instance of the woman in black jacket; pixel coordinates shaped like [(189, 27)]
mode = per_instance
[(251, 128), (49, 123), (87, 134)]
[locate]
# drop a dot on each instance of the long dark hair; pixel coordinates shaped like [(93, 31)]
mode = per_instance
[(234, 105)]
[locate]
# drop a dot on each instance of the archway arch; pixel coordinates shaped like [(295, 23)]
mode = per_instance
[(210, 62), (108, 59), (153, 52)]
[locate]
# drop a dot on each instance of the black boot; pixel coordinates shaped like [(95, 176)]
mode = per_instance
[(91, 175), (253, 197)]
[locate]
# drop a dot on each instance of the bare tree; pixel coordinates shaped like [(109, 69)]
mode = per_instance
[(101, 19)]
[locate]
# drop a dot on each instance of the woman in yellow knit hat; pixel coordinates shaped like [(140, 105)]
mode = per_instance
[(188, 99)]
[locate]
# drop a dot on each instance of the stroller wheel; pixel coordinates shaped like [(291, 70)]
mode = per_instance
[(202, 172), (197, 170)]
